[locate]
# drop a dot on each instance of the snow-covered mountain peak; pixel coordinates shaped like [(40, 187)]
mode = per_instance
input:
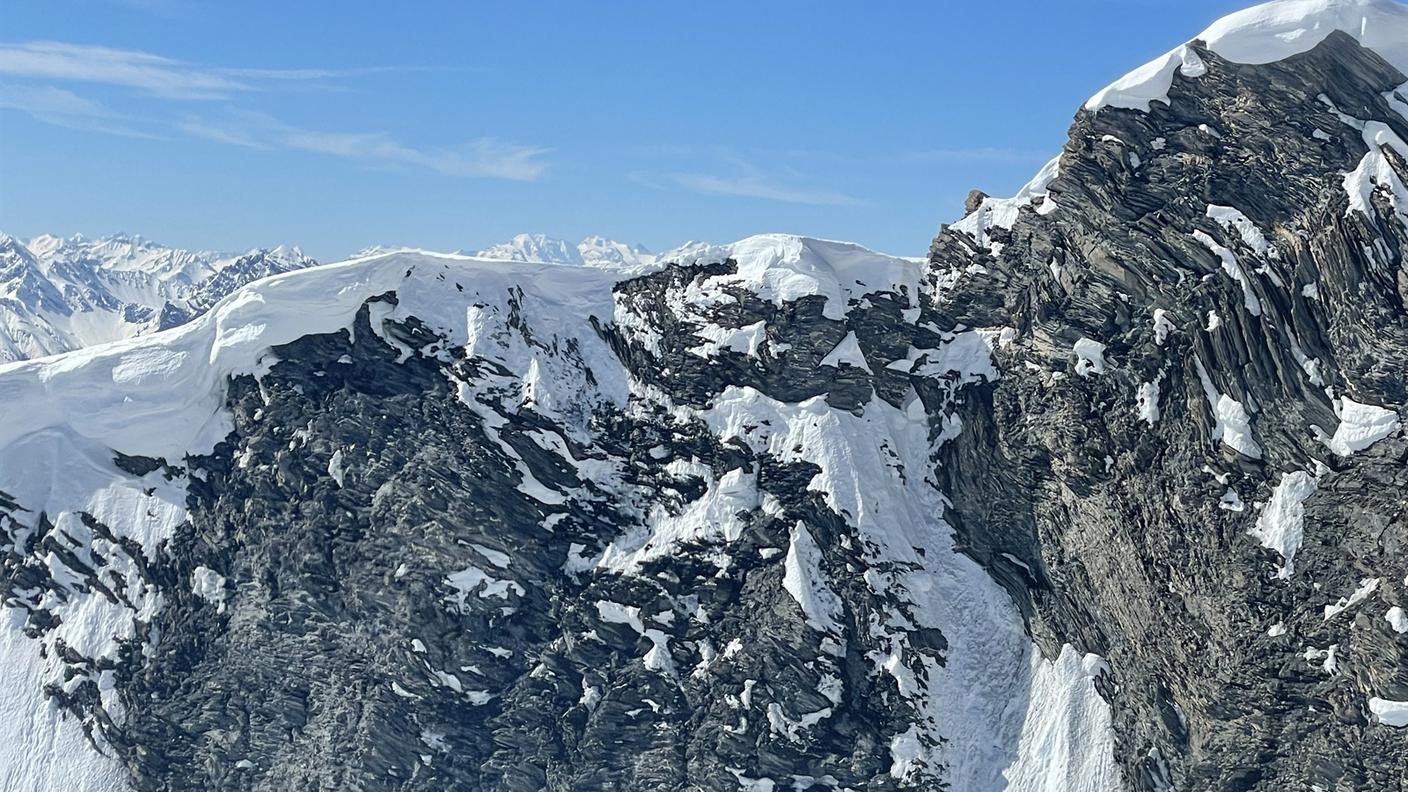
[(534, 247), (594, 251), (1277, 30), (1266, 33), (598, 251), (236, 333), (287, 252), (233, 334), (376, 250)]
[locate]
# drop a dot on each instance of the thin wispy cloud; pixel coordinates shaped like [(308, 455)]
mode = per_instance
[(216, 133), (42, 67), (58, 61), (759, 187), (144, 71), (733, 173), (64, 108), (316, 74), (484, 157)]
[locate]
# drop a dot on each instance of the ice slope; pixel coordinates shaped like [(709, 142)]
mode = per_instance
[(1264, 34), (996, 711)]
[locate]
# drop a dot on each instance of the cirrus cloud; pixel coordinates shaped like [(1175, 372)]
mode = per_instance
[(483, 157), (43, 67)]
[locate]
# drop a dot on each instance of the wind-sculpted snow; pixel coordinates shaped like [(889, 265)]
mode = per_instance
[(1266, 33)]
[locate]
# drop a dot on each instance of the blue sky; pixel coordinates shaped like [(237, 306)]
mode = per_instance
[(455, 125)]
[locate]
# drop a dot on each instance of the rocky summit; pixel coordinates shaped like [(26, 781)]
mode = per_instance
[(1106, 494)]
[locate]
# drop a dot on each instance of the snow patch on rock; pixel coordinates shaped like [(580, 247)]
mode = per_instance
[(1281, 524), (209, 585), (847, 353), (1361, 425), (804, 580), (1002, 212), (1389, 712), (1090, 357), (1367, 586)]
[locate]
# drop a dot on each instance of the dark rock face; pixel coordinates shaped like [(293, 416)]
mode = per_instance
[(1137, 551)]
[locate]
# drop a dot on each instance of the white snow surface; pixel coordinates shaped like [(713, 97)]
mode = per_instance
[(1281, 524), (1146, 399), (846, 353), (782, 268), (1090, 357), (1232, 425), (41, 746), (1053, 756), (161, 395), (1389, 712), (1003, 212), (804, 580), (1148, 83), (209, 585), (1162, 326), (1361, 425), (1367, 586), (1397, 619), (1232, 219), (1233, 269), (1264, 34)]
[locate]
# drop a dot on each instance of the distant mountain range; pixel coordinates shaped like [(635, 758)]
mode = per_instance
[(63, 293), (59, 294), (594, 251)]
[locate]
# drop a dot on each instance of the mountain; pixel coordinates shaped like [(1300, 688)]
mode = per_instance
[(594, 251), (61, 294), (599, 251), (1105, 494)]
